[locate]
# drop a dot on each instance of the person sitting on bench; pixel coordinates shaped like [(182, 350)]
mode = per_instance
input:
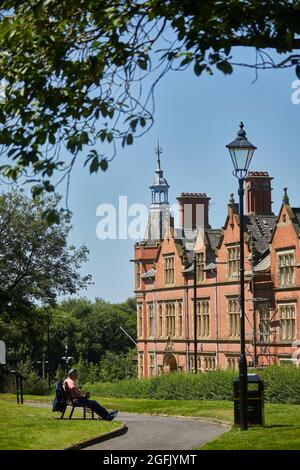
[(81, 399)]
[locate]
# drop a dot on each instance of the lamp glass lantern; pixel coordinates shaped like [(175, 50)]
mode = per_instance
[(241, 152)]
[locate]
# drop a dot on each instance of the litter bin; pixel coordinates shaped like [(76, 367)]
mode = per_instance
[(256, 412)]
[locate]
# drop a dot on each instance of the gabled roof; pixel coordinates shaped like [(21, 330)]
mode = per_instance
[(213, 237), (296, 211), (294, 214), (261, 227)]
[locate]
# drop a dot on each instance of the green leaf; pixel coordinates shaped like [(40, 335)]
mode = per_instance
[(84, 138), (142, 63), (102, 135), (48, 187), (133, 124), (225, 67), (12, 152), (214, 57), (12, 33), (103, 109), (36, 191), (198, 68), (289, 37), (52, 139), (51, 216), (129, 139), (94, 166), (11, 173), (187, 60), (41, 138), (103, 164)]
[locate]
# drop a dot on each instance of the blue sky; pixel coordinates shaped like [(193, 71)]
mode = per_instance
[(195, 118)]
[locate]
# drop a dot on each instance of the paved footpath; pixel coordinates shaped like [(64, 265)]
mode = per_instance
[(147, 432), (161, 433)]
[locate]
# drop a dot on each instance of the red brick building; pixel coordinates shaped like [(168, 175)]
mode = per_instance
[(164, 281)]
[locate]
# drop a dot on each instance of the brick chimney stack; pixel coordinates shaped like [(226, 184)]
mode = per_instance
[(259, 193), (193, 210)]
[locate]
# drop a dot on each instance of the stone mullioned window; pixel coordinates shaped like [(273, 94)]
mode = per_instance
[(286, 268), (233, 260), (203, 314), (169, 270), (200, 265), (287, 318), (233, 309)]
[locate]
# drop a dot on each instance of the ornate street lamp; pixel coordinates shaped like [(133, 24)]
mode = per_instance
[(241, 152), (67, 359)]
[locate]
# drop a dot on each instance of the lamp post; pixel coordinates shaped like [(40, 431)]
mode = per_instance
[(48, 349), (43, 362), (195, 315), (67, 359), (241, 152)]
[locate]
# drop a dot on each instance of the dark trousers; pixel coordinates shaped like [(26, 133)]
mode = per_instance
[(94, 406)]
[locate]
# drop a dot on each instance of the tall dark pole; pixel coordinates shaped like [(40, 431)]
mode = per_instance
[(195, 314), (241, 153), (255, 362), (48, 350), (243, 359)]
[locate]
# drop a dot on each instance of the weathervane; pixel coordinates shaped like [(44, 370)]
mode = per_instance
[(158, 151)]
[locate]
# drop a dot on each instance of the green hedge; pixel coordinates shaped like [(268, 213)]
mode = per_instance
[(209, 386), (282, 385)]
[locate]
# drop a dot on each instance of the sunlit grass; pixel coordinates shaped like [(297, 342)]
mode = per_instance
[(282, 430), (31, 428)]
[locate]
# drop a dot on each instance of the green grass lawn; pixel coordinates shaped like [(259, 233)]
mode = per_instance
[(282, 430), (31, 428)]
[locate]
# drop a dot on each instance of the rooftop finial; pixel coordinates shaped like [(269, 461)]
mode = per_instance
[(231, 200), (158, 151), (285, 199)]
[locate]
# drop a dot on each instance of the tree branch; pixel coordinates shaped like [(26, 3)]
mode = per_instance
[(265, 43)]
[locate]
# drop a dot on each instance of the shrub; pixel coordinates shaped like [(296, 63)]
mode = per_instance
[(214, 385), (129, 388), (113, 367), (33, 385), (87, 371), (282, 385)]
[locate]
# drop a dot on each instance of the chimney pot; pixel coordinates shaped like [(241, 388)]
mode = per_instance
[(193, 210), (258, 193)]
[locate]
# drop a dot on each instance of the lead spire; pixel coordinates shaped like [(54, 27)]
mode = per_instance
[(159, 218), (158, 151), (159, 187)]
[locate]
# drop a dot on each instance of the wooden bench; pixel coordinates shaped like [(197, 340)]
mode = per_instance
[(71, 402)]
